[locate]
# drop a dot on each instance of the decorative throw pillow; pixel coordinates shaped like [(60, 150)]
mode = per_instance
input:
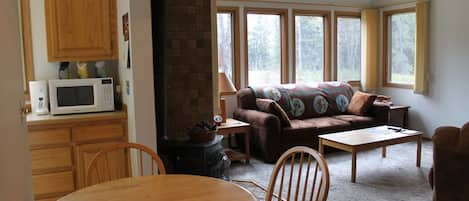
[(270, 106), (360, 103)]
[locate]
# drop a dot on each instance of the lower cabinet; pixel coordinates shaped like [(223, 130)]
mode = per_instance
[(62, 149), (114, 164)]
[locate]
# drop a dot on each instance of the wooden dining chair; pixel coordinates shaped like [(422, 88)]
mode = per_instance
[(101, 169), (310, 170)]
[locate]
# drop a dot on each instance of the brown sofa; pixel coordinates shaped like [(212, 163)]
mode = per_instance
[(449, 176), (269, 139)]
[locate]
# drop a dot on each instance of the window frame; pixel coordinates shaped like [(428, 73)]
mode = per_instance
[(355, 15), (386, 28), (327, 76), (283, 13), (234, 12)]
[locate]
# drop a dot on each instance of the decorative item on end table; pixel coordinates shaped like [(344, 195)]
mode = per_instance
[(225, 87), (202, 132)]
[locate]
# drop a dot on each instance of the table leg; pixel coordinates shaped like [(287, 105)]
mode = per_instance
[(229, 141), (354, 166), (419, 150), (247, 146), (384, 152), (321, 146)]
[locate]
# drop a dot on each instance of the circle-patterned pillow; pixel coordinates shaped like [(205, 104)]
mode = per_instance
[(297, 107), (272, 93), (342, 103), (320, 104)]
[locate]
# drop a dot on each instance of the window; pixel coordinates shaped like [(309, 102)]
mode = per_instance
[(311, 47), (348, 47), (266, 46), (399, 48), (227, 30)]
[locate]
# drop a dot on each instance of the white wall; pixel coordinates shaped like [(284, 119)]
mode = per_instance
[(446, 102), (43, 70), (140, 100), (15, 168)]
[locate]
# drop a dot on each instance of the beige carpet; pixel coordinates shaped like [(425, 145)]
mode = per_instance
[(395, 178)]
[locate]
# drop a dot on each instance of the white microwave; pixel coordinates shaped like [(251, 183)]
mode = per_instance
[(73, 96)]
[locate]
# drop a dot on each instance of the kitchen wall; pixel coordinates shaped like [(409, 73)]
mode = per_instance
[(446, 102), (43, 69)]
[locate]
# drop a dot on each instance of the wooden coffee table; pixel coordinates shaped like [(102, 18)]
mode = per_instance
[(369, 138)]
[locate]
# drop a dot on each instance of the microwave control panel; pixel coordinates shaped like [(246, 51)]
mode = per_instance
[(108, 91)]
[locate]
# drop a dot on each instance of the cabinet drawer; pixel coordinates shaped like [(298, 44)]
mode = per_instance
[(54, 183), (98, 132), (43, 159), (49, 137)]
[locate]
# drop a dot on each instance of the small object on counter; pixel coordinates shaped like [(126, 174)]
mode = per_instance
[(41, 107), (82, 69), (64, 71), (202, 132), (100, 69)]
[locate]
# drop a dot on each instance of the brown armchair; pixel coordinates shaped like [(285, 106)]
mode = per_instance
[(449, 176)]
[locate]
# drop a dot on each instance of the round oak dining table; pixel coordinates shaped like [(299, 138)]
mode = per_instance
[(162, 188)]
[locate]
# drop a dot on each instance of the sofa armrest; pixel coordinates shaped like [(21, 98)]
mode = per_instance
[(380, 112), (257, 118), (265, 132)]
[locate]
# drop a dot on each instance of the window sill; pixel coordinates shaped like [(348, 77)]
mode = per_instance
[(354, 83), (397, 85)]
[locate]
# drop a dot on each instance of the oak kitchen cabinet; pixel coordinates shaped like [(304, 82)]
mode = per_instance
[(61, 148), (81, 30)]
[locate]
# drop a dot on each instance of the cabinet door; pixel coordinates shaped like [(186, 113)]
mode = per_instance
[(83, 30), (118, 164)]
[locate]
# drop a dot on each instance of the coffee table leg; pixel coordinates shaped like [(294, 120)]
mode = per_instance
[(321, 146), (354, 166), (384, 152), (419, 150)]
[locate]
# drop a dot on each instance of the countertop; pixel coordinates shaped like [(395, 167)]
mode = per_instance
[(33, 119)]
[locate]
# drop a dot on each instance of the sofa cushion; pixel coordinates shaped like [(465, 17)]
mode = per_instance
[(360, 103), (338, 95), (304, 101), (278, 93), (357, 121), (316, 125), (270, 106), (328, 123)]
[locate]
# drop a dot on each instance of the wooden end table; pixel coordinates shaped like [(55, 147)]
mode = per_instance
[(233, 126), (399, 116), (369, 138)]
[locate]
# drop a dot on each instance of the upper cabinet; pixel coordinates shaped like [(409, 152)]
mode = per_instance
[(81, 30)]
